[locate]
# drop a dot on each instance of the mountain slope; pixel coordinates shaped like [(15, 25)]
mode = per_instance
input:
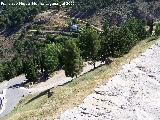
[(72, 94), (120, 11), (131, 94)]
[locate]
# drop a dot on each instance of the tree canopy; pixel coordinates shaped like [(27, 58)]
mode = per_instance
[(89, 44), (49, 57), (73, 62)]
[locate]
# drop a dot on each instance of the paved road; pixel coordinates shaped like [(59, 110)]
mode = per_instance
[(14, 93), (3, 87)]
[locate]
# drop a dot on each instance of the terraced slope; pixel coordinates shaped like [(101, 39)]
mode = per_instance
[(133, 94)]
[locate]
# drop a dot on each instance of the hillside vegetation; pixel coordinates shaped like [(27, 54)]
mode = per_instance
[(48, 55), (33, 56), (116, 12), (73, 93), (27, 47)]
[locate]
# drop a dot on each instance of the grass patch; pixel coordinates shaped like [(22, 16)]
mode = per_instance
[(73, 93)]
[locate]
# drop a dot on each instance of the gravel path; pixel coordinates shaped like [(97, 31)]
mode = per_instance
[(133, 94)]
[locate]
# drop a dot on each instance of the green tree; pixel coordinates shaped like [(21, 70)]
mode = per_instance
[(2, 25), (117, 42), (73, 62), (1, 73), (9, 70), (106, 27), (31, 70), (157, 30), (49, 58), (109, 43), (60, 47), (150, 23), (137, 27), (17, 63), (127, 41), (90, 44)]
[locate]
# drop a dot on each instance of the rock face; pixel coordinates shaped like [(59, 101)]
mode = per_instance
[(133, 94)]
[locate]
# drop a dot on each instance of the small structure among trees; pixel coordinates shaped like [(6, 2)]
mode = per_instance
[(74, 28)]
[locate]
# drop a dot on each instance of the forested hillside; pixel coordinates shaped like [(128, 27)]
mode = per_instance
[(55, 45), (116, 11), (30, 55)]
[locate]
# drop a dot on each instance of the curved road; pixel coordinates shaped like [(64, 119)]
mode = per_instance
[(13, 95), (14, 91)]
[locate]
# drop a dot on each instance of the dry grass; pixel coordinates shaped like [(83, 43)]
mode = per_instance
[(73, 93)]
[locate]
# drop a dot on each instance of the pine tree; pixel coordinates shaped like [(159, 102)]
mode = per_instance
[(73, 62)]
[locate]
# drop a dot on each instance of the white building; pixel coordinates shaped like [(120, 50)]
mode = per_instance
[(74, 28)]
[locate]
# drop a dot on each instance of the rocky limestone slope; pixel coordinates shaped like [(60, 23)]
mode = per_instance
[(133, 94)]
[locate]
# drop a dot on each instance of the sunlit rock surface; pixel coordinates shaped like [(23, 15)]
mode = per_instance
[(133, 94)]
